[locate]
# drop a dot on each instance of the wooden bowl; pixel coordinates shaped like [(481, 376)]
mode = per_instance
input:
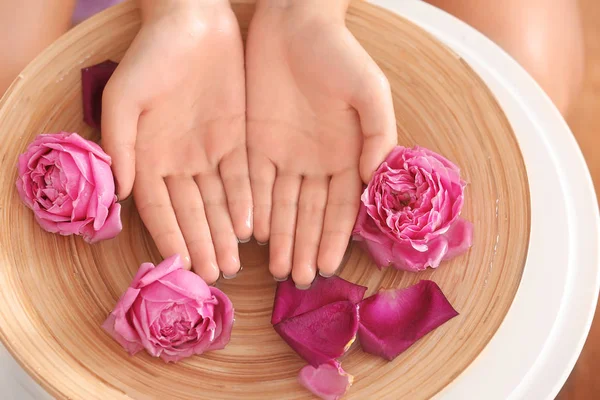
[(56, 291)]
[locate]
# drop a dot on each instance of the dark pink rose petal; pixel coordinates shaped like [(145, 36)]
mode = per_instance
[(327, 381), (323, 334), (290, 301), (93, 81), (392, 320)]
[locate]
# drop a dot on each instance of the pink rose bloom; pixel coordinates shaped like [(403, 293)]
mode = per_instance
[(170, 312), (409, 215), (67, 182)]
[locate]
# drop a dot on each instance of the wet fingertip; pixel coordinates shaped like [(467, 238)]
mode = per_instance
[(326, 275), (302, 287)]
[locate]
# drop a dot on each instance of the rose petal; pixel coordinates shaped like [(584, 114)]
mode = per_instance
[(460, 238), (392, 320), (93, 81), (164, 268), (291, 302), (407, 258), (132, 347), (223, 316), (117, 325), (328, 381), (105, 188), (111, 228), (323, 334)]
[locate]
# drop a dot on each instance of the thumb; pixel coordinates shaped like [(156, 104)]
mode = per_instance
[(119, 130), (375, 108)]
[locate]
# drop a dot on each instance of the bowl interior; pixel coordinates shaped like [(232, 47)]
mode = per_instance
[(56, 291)]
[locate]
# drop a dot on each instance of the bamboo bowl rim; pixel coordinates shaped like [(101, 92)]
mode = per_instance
[(58, 290)]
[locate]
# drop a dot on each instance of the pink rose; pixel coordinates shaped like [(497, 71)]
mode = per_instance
[(67, 182), (170, 312), (409, 215)]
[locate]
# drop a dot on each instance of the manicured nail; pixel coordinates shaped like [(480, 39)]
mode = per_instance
[(262, 243), (243, 240), (302, 287), (326, 275), (280, 279)]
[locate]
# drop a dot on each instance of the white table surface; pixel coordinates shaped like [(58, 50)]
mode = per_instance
[(537, 345)]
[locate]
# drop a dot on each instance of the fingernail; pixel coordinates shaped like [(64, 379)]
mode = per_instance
[(243, 240), (326, 275), (229, 276), (262, 243), (302, 287), (280, 279)]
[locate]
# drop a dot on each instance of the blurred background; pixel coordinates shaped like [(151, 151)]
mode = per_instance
[(584, 119), (558, 42)]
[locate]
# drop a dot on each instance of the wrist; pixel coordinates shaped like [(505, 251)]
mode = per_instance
[(322, 8), (153, 9)]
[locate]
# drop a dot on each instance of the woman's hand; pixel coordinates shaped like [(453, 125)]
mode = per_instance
[(174, 123), (320, 121)]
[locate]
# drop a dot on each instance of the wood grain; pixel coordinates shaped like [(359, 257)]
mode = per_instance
[(56, 291)]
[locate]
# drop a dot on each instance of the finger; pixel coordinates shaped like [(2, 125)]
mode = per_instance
[(236, 180), (340, 215), (309, 226), (262, 176), (219, 222), (120, 116), (283, 224), (375, 108), (189, 210), (154, 206)]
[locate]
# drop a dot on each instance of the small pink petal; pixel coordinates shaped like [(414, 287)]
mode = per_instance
[(290, 301), (328, 381), (323, 334), (392, 320)]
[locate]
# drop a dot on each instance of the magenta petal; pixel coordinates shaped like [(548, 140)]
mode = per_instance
[(323, 334), (93, 81), (328, 381), (291, 302), (392, 320), (460, 238)]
